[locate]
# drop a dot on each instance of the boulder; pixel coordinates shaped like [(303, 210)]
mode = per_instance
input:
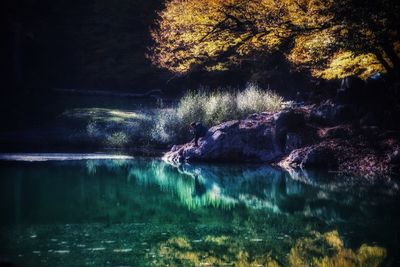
[(287, 121), (249, 140), (319, 157), (294, 159), (330, 113), (312, 157), (340, 131)]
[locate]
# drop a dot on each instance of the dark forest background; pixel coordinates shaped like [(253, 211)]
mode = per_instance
[(94, 44), (98, 45)]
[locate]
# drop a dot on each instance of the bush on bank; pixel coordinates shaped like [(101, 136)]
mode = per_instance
[(210, 108)]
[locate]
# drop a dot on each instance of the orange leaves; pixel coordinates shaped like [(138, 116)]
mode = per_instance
[(217, 34), (214, 33)]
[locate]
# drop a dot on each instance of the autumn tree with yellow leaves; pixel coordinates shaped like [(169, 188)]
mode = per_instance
[(331, 39)]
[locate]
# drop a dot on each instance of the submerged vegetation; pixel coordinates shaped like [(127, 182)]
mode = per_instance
[(323, 250), (315, 250)]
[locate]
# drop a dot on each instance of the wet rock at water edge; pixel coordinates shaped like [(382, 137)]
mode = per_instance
[(320, 157), (249, 140)]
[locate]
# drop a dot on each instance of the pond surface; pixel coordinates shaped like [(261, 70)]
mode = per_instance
[(59, 210)]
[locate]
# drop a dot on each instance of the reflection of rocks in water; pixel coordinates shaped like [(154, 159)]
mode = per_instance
[(313, 194)]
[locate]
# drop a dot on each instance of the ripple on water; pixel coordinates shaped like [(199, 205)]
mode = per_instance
[(122, 250), (61, 251), (97, 249)]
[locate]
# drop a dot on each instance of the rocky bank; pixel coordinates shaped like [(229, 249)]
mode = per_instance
[(330, 136)]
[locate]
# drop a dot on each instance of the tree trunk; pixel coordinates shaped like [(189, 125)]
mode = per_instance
[(382, 60), (394, 58)]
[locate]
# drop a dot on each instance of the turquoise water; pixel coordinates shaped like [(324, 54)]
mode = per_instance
[(143, 212)]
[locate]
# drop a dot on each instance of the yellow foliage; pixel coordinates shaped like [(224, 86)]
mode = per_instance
[(345, 63), (312, 48), (327, 250), (192, 32), (216, 34), (179, 242), (218, 240), (216, 251), (317, 250), (333, 239)]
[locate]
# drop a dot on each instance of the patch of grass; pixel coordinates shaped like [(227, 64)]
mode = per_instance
[(216, 107), (104, 115), (117, 140), (254, 99), (167, 125), (211, 108)]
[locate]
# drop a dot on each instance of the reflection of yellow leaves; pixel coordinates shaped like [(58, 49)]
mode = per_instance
[(319, 250), (218, 240), (371, 256), (179, 242), (214, 251), (327, 250), (333, 239)]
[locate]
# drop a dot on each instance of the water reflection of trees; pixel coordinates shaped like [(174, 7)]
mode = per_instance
[(256, 187), (315, 249)]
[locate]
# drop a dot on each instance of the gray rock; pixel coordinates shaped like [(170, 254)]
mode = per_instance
[(287, 121), (341, 131), (249, 140), (330, 113), (294, 159)]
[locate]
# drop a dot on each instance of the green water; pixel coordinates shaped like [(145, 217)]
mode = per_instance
[(143, 212)]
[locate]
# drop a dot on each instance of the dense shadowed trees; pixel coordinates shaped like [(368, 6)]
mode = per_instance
[(329, 38)]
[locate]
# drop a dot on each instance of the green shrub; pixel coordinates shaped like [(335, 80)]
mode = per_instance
[(191, 106), (253, 99), (172, 125), (117, 139), (168, 127), (220, 107), (160, 126)]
